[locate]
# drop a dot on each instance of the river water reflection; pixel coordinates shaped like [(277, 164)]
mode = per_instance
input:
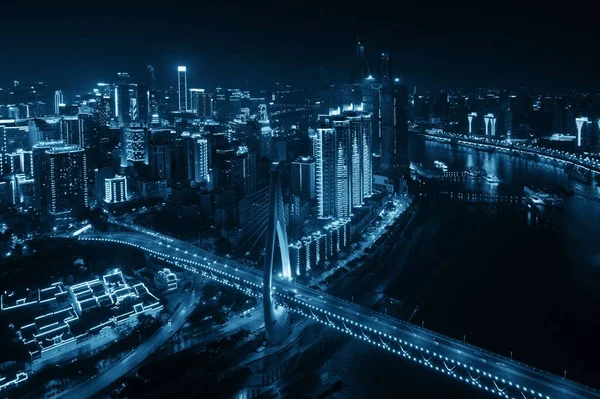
[(494, 280)]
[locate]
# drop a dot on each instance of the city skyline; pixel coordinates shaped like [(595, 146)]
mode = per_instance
[(293, 200)]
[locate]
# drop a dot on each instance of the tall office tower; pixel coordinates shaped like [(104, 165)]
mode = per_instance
[(133, 102), (243, 172), (201, 103), (183, 158), (71, 130), (59, 100), (360, 70), (159, 160), (65, 183), (40, 170), (324, 151), (122, 101), (152, 95), (103, 114), (303, 178), (201, 160), (134, 145), (394, 128), (385, 68), (115, 189), (361, 156), (182, 92), (196, 97), (343, 167)]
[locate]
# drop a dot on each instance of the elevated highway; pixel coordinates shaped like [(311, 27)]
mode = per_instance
[(482, 369)]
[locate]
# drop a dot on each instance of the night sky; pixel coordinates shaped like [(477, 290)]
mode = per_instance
[(256, 43)]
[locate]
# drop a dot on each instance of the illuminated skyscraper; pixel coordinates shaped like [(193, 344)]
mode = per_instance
[(361, 155), (201, 160), (65, 181), (324, 154), (59, 100), (182, 91), (134, 145), (472, 116), (40, 170), (122, 101), (394, 128)]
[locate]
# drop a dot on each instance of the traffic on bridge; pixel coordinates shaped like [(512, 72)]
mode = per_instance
[(482, 369)]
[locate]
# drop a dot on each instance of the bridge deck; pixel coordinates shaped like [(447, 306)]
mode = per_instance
[(472, 365)]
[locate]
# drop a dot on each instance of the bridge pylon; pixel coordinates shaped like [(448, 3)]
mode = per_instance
[(277, 318)]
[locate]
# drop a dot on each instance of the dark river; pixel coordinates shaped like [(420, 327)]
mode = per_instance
[(495, 278)]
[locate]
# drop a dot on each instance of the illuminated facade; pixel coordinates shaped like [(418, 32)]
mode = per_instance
[(66, 183), (471, 117), (324, 154), (40, 173), (489, 122), (201, 103), (115, 189), (581, 124), (342, 149), (80, 318), (201, 160), (59, 100), (182, 92), (134, 145), (122, 97)]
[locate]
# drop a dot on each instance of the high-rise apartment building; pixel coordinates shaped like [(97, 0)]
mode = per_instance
[(65, 181), (201, 160), (115, 189), (134, 145), (40, 170)]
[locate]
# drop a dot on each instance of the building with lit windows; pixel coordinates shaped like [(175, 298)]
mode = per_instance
[(182, 91), (40, 173), (66, 183), (59, 100), (115, 189), (76, 320), (200, 160), (134, 145)]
